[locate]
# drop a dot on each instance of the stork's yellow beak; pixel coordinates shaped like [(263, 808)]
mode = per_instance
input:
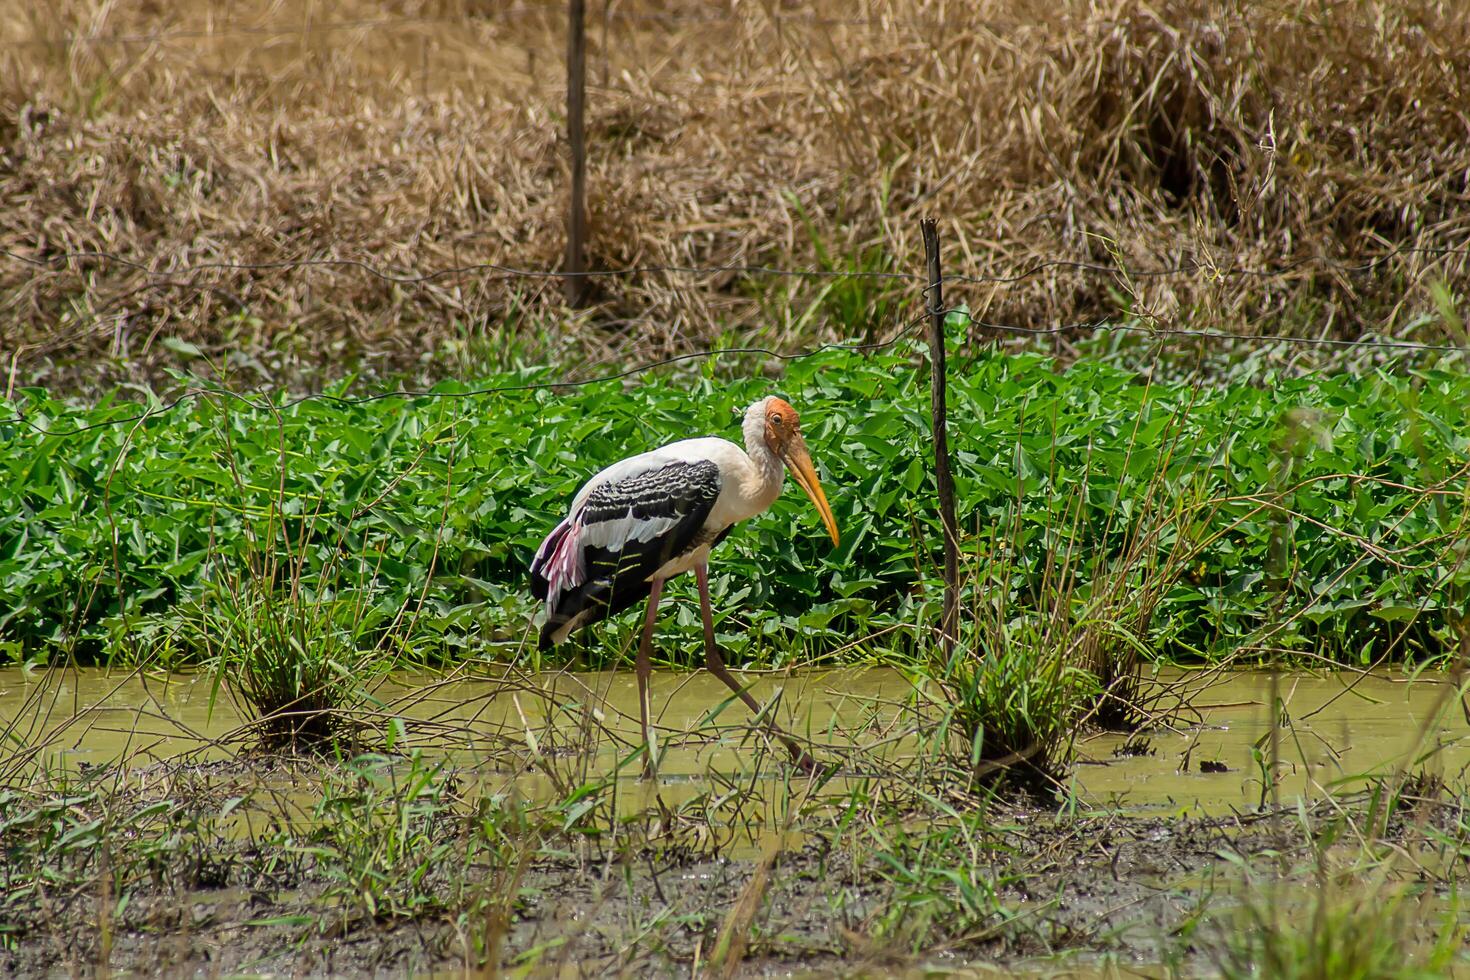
[(799, 462)]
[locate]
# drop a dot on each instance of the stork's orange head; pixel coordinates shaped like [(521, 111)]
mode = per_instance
[(782, 425), (783, 436)]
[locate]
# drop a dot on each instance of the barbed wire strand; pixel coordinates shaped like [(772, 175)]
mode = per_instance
[(1099, 323), (411, 278), (1353, 264), (554, 14), (294, 30), (1165, 333), (410, 393)]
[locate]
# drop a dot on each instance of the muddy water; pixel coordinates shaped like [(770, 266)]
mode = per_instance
[(1335, 731), (94, 717), (549, 731)]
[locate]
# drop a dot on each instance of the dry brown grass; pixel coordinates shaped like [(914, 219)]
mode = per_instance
[(1218, 133)]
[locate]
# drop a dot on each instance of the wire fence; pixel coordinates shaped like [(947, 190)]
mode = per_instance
[(487, 272), (917, 294), (1350, 264), (485, 17), (165, 273)]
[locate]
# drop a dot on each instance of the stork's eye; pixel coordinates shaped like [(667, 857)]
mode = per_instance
[(776, 419)]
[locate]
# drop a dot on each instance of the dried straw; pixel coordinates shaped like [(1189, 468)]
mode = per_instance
[(1215, 134)]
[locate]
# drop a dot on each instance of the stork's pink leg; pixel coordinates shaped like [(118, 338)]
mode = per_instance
[(716, 665), (645, 667)]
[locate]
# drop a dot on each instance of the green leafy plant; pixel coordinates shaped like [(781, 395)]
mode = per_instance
[(437, 504)]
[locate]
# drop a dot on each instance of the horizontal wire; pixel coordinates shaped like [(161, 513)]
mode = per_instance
[(506, 271), (1092, 324), (410, 393), (1164, 333), (1359, 263), (390, 23), (326, 27)]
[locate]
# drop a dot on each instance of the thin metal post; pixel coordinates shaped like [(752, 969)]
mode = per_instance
[(943, 478), (576, 261)]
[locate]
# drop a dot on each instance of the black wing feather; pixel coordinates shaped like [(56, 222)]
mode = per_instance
[(617, 577)]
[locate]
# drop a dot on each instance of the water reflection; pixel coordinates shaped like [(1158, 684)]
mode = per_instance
[(552, 731)]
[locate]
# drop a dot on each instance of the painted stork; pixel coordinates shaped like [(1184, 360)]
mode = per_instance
[(653, 516)]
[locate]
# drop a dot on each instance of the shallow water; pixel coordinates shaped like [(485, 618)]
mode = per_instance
[(1339, 728), (95, 717)]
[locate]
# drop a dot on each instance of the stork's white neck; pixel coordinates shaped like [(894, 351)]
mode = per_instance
[(768, 468)]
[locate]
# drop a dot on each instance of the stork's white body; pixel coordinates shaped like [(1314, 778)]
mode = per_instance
[(643, 505), (650, 517), (749, 483)]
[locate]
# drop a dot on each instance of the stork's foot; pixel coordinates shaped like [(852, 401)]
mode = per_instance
[(650, 763), (650, 755)]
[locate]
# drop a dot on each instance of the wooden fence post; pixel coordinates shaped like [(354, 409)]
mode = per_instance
[(943, 478), (576, 260)]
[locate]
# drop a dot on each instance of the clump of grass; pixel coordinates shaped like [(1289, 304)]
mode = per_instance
[(294, 664), (392, 840), (1058, 629), (1112, 627), (946, 882), (1337, 931), (69, 838), (1012, 694), (291, 626)]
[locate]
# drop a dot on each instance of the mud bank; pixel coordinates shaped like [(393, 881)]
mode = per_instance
[(1039, 887), (139, 838)]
